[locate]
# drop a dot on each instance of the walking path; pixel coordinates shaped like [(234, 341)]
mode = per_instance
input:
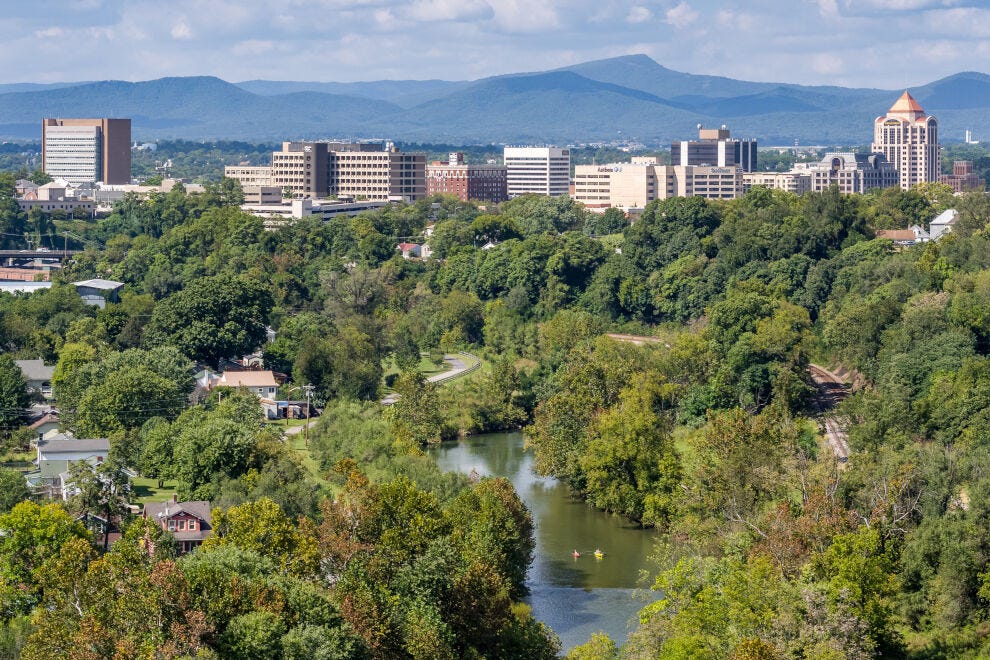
[(459, 366)]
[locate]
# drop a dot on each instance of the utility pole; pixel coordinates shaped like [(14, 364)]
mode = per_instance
[(309, 393)]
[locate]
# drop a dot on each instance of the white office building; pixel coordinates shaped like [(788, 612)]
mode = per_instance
[(537, 170)]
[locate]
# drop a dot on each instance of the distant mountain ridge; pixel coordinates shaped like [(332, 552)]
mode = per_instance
[(630, 97)]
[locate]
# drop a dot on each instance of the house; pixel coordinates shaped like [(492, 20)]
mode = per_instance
[(57, 452), (38, 376), (24, 186), (943, 223), (46, 425), (898, 236), (410, 250), (262, 383), (99, 292), (189, 522)]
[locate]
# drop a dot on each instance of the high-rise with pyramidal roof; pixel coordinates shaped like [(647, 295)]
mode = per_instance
[(909, 139)]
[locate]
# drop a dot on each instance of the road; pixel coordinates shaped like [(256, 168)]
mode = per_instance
[(831, 390)]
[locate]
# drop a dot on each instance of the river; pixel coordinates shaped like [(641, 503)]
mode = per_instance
[(575, 597)]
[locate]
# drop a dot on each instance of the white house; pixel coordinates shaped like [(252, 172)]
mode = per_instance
[(943, 223), (262, 383)]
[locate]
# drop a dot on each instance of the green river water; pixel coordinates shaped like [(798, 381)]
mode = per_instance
[(575, 597)]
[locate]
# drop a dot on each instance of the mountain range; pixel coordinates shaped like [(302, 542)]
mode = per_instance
[(623, 98)]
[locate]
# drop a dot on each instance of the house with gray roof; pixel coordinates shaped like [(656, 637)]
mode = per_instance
[(38, 376), (189, 522), (98, 291), (57, 452)]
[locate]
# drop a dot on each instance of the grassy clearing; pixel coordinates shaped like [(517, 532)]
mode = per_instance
[(146, 490), (297, 444)]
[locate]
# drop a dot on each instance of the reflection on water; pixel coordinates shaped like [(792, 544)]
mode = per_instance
[(576, 597)]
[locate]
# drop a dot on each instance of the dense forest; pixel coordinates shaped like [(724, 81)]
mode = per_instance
[(770, 546)]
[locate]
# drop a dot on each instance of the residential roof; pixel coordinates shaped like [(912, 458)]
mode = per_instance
[(62, 443), (108, 285), (35, 369), (897, 234), (248, 379), (47, 418), (407, 246), (947, 217), (197, 508)]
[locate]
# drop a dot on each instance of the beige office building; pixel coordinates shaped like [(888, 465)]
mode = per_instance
[(631, 186), (909, 140), (340, 169), (250, 175), (794, 182)]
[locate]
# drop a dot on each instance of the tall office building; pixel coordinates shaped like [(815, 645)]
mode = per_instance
[(537, 170), (909, 140), (715, 148), (87, 150)]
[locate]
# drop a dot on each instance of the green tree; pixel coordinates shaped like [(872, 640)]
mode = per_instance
[(14, 397), (213, 318), (13, 489), (33, 534)]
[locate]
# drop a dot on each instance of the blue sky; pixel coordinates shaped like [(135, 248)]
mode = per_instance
[(889, 44)]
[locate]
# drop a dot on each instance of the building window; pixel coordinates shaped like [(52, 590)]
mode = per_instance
[(182, 525), (192, 525), (171, 525)]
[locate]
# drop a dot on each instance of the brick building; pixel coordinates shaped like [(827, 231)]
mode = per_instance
[(484, 183)]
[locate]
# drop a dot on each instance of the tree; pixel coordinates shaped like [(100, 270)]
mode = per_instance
[(33, 534), (415, 417), (213, 318), (263, 527), (13, 394), (630, 464), (101, 492), (13, 489), (612, 221)]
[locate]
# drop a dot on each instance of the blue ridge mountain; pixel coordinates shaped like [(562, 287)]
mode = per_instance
[(629, 97)]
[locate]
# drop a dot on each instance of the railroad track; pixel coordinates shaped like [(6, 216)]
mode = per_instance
[(831, 390)]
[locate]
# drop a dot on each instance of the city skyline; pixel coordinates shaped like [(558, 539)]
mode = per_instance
[(888, 44)]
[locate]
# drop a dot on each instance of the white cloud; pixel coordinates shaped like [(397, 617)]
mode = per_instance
[(525, 17), (181, 30), (827, 64), (638, 14), (50, 33), (449, 10), (682, 15)]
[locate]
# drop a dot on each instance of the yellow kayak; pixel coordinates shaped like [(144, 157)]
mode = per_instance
[(599, 554)]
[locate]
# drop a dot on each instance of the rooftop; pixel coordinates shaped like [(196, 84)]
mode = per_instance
[(35, 369), (248, 379), (107, 285), (64, 444)]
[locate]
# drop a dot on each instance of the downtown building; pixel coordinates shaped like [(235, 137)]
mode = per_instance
[(908, 138), (963, 178), (82, 151), (631, 186), (715, 147), (851, 173), (537, 171), (360, 171), (484, 183)]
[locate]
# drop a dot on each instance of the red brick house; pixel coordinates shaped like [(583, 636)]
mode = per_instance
[(189, 522)]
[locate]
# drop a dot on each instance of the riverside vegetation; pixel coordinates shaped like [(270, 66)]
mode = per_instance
[(770, 548)]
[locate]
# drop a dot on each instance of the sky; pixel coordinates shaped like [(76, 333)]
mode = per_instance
[(888, 44)]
